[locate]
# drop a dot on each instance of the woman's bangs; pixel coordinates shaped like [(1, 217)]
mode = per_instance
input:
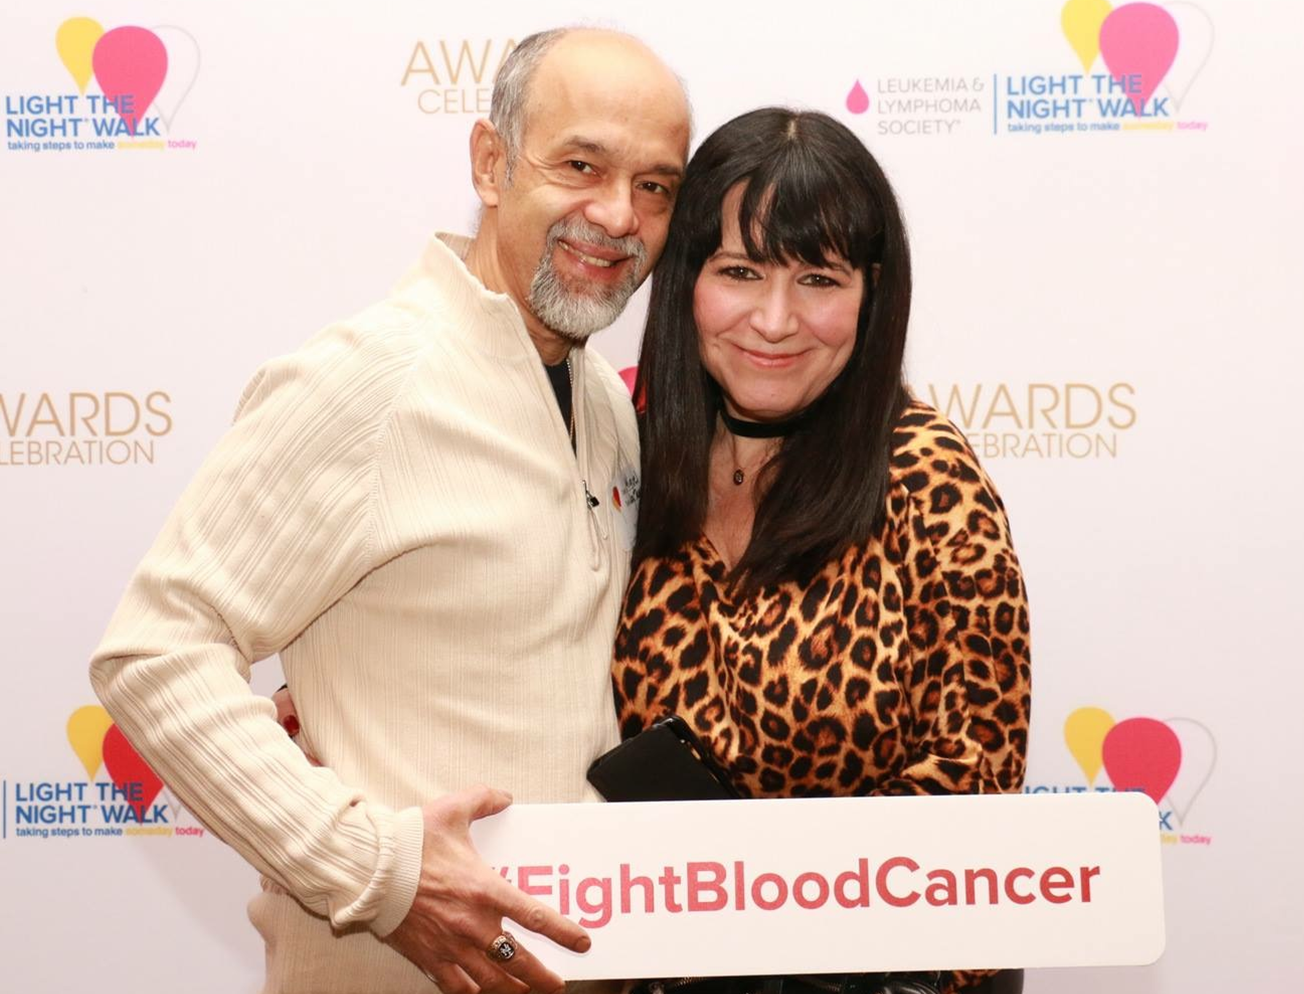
[(796, 210)]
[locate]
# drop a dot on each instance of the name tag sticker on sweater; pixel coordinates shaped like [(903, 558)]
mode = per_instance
[(839, 885), (624, 505)]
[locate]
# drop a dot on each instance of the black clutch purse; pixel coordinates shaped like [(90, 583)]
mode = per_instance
[(667, 762), (664, 762)]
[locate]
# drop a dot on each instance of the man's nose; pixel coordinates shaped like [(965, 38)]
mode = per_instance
[(612, 209), (775, 316)]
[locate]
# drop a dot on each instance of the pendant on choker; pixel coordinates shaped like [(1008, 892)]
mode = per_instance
[(738, 477)]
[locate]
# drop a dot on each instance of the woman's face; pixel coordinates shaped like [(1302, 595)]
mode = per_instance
[(773, 336)]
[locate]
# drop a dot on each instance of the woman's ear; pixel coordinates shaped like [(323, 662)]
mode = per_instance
[(488, 162), (874, 270)]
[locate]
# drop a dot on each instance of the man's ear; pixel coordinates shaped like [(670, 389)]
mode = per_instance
[(488, 162)]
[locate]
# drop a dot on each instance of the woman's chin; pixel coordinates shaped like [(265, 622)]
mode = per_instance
[(764, 408)]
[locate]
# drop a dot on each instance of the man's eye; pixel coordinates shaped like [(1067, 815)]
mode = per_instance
[(650, 186), (580, 166)]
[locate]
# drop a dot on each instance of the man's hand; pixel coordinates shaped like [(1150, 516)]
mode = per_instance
[(461, 903)]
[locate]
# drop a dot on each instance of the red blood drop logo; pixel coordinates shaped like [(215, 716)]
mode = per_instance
[(857, 99)]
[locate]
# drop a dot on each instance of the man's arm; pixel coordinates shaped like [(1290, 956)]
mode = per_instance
[(276, 526), (279, 524)]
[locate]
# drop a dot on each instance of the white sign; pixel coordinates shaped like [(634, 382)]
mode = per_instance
[(834, 885)]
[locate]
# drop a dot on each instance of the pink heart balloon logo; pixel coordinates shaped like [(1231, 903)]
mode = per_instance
[(130, 65), (130, 773), (1139, 40), (1142, 754)]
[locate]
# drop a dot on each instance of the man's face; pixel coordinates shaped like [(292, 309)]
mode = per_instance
[(584, 217)]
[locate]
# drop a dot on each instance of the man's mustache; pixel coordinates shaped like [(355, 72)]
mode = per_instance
[(575, 229)]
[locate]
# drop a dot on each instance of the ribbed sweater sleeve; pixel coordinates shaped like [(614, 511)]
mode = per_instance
[(278, 524)]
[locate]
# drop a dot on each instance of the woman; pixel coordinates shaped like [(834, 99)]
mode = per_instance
[(823, 580)]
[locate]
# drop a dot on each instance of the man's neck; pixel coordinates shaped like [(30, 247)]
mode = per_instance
[(482, 262)]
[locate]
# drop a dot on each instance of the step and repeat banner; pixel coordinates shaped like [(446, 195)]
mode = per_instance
[(1105, 210)]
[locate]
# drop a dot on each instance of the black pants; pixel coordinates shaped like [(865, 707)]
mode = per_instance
[(1005, 982)]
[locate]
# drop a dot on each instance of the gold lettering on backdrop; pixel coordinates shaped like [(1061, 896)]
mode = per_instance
[(1038, 420), (1113, 396), (508, 48), (1046, 412), (426, 67), (92, 452), (1079, 389), (164, 415), (109, 428), (83, 414), (52, 419), (12, 420), (954, 400), (1002, 391), (457, 60), (464, 55), (85, 419)]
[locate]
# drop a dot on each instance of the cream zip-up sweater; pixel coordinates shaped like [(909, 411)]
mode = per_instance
[(398, 512)]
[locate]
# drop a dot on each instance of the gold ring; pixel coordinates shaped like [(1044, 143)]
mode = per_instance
[(503, 948)]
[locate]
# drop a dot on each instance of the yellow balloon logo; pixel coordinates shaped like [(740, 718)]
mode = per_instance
[(1081, 21), (86, 730), (75, 40), (1084, 732)]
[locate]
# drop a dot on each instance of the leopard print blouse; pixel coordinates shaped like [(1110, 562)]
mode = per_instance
[(903, 668)]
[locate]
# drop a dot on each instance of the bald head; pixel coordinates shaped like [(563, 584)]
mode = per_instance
[(577, 171), (565, 52)]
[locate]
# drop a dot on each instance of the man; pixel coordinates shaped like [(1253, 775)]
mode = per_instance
[(400, 511)]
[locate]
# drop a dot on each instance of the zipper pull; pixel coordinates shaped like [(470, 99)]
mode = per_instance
[(588, 497)]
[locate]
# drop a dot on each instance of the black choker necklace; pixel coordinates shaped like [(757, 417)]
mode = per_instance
[(758, 429), (762, 429)]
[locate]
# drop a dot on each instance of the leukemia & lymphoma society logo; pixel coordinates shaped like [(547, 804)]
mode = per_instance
[(1139, 63), (129, 799), (1170, 761), (143, 76), (113, 427), (455, 76)]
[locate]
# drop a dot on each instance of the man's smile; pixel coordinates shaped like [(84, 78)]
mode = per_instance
[(591, 259)]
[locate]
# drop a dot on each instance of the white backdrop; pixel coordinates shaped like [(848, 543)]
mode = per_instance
[(1107, 303)]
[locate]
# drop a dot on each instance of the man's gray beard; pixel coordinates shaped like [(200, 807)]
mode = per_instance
[(577, 314)]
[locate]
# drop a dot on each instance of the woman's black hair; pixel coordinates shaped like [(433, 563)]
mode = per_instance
[(812, 190)]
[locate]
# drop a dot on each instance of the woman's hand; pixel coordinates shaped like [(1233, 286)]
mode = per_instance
[(288, 717)]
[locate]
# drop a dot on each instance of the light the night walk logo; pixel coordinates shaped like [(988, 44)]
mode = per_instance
[(1169, 760), (130, 85), (121, 796)]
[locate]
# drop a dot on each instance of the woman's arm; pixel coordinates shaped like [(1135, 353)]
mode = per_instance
[(967, 619)]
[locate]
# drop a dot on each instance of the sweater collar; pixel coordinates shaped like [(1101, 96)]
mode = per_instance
[(442, 284)]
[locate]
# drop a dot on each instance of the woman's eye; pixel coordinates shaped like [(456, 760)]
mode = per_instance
[(818, 279), (738, 273)]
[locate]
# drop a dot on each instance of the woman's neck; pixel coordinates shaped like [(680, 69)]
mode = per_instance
[(747, 454), (736, 464)]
